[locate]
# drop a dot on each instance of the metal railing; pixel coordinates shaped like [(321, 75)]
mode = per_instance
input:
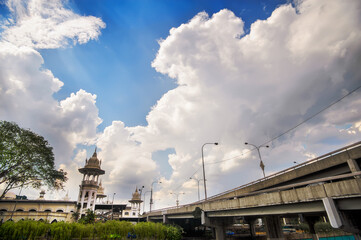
[(313, 160)]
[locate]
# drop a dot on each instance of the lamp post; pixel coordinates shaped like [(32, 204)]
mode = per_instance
[(259, 154), (144, 200), (113, 205), (199, 198), (151, 195), (204, 173), (177, 194), (140, 190)]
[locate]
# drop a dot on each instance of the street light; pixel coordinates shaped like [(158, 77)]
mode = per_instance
[(144, 200), (151, 195), (113, 205), (259, 154), (204, 173), (140, 190), (199, 198), (177, 194)]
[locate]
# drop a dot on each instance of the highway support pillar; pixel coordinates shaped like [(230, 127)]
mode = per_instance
[(273, 227), (219, 224), (346, 221), (353, 165), (165, 219), (251, 222)]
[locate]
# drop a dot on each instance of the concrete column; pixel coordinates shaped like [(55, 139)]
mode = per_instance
[(353, 165), (165, 219), (220, 232), (89, 199), (251, 222), (219, 224), (82, 201), (94, 200), (273, 227)]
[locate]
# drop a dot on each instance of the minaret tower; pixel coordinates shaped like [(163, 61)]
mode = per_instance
[(100, 193), (90, 184), (136, 201)]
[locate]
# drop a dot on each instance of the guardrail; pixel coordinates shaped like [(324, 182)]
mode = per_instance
[(277, 189), (313, 160)]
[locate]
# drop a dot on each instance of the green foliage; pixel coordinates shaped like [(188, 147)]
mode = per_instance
[(89, 217), (323, 227), (32, 230), (26, 159), (174, 233), (304, 227)]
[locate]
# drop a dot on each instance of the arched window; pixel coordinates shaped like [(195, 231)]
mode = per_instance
[(32, 210), (133, 213), (126, 213), (59, 210), (41, 220), (3, 210), (47, 210), (54, 221), (20, 210)]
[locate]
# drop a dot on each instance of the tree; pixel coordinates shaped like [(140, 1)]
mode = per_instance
[(26, 159), (89, 217)]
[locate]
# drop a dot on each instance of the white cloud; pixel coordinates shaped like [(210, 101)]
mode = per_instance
[(127, 165), (235, 88), (26, 88), (48, 24)]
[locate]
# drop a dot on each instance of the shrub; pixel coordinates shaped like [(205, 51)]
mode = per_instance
[(32, 230)]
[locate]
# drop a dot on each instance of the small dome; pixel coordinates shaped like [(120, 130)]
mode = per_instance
[(93, 161), (136, 197)]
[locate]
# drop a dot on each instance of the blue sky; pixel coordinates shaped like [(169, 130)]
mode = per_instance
[(149, 82), (117, 67)]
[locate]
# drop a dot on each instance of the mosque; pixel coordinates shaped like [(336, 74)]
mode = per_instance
[(91, 196)]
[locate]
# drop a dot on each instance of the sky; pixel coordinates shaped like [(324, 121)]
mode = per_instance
[(149, 82)]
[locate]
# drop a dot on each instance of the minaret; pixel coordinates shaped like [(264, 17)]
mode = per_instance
[(136, 201), (90, 184), (100, 193)]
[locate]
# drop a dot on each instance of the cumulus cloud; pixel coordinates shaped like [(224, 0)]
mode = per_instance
[(127, 165), (233, 87), (26, 88), (236, 87)]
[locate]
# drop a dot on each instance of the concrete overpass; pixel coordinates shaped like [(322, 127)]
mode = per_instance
[(329, 185)]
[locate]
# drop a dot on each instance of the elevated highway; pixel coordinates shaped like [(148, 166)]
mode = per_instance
[(329, 185)]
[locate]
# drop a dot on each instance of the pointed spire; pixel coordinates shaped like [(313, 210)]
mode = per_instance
[(95, 152)]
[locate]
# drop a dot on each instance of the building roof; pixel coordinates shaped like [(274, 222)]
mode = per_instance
[(136, 198), (92, 166)]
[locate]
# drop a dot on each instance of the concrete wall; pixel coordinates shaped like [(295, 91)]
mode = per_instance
[(42, 209)]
